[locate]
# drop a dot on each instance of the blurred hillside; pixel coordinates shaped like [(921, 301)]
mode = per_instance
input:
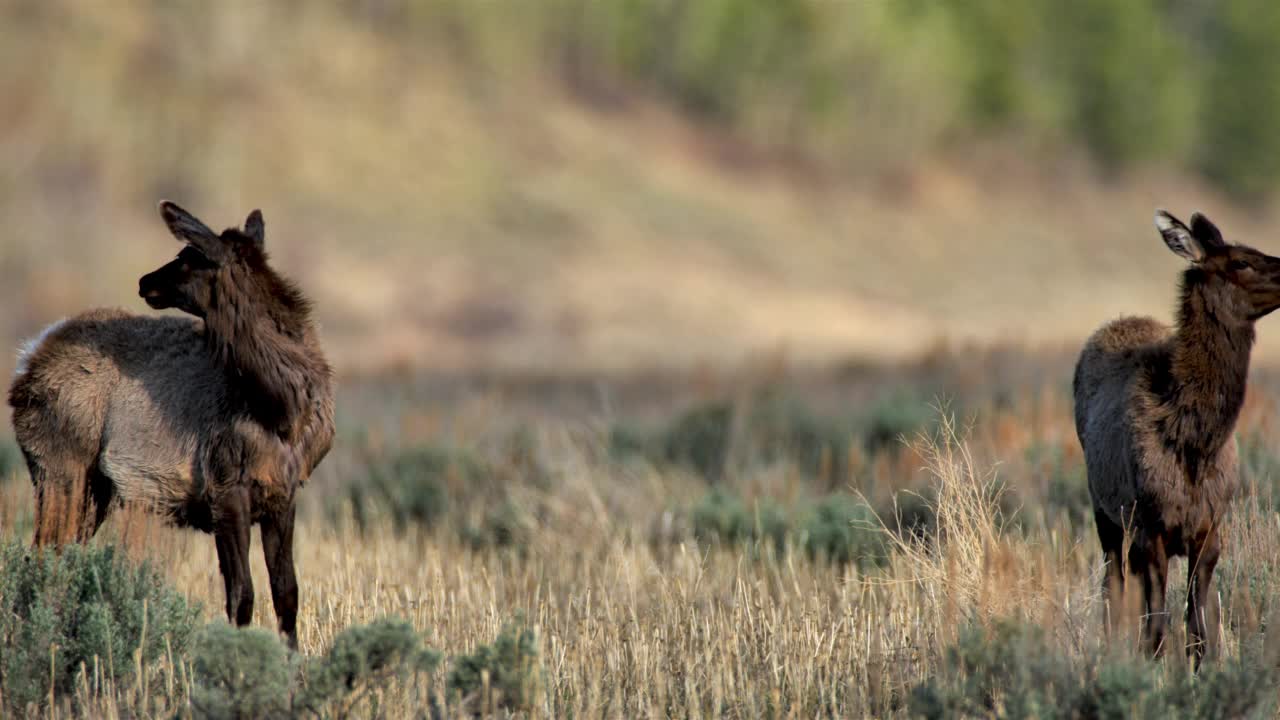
[(628, 183)]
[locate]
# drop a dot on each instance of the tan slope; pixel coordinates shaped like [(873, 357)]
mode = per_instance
[(445, 212)]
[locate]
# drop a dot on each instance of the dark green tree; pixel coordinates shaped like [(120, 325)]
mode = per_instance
[(1124, 80), (1239, 147)]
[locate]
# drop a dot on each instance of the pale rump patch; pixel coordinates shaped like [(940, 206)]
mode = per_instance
[(29, 346)]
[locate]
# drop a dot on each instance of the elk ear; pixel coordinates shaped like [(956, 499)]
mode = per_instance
[(1179, 237), (188, 229), (254, 229), (1206, 232)]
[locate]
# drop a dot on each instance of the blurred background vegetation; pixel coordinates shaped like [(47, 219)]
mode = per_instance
[(605, 280), (603, 184)]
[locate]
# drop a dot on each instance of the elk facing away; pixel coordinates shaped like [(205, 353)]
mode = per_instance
[(214, 422), (1155, 411)]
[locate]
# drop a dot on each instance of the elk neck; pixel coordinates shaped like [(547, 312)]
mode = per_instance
[(258, 327), (1203, 388)]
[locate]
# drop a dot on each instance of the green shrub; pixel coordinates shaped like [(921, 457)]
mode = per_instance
[(723, 517), (516, 458), (1012, 671), (839, 528), (775, 428), (895, 417), (1259, 468), (11, 460), (842, 529), (1012, 511), (769, 524), (1239, 687), (783, 428), (511, 665), (626, 442), (700, 439), (89, 602), (249, 673), (356, 496), (412, 486), (505, 525), (364, 659), (911, 515), (1008, 667), (1064, 487), (242, 673)]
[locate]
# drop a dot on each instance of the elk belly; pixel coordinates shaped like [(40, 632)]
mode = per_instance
[(153, 479)]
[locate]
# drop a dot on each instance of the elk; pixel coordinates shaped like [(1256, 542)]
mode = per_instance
[(213, 421), (1155, 412)]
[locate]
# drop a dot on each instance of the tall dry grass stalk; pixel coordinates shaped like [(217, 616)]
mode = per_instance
[(974, 568)]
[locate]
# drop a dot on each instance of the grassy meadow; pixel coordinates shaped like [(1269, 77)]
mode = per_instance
[(695, 358), (863, 541)]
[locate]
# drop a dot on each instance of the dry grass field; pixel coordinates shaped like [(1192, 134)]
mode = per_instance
[(655, 590), (695, 358)]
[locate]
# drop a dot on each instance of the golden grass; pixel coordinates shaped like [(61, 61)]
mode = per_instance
[(980, 571), (631, 624)]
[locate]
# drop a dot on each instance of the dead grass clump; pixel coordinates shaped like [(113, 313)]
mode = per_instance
[(974, 569)]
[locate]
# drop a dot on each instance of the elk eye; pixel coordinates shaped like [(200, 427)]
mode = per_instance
[(186, 267), (1239, 265)]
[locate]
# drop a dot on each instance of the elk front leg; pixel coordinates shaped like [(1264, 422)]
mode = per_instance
[(231, 534), (1150, 565), (1202, 558), (277, 548)]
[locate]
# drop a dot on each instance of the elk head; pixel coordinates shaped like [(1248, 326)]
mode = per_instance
[(1244, 282), (187, 282)]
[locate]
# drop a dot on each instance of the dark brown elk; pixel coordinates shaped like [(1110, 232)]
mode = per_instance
[(1156, 410), (214, 422)]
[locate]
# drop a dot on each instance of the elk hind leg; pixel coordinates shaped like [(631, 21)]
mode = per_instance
[(70, 504), (1111, 537), (99, 493)]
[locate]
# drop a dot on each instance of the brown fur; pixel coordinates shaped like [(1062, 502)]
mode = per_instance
[(213, 421), (1156, 410)]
